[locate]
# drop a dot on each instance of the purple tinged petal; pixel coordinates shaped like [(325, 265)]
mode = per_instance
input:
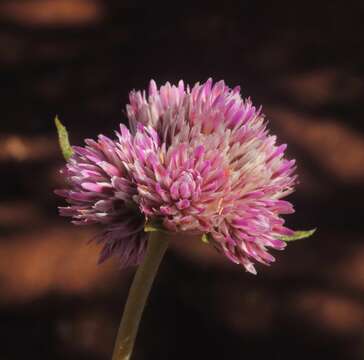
[(286, 166), (237, 118), (161, 174), (205, 167), (84, 196), (62, 193), (123, 185), (153, 90), (278, 152), (162, 193), (96, 187), (277, 244), (184, 190), (236, 90), (103, 205), (212, 186), (68, 211), (183, 204), (249, 266), (168, 210), (174, 191), (110, 169), (198, 153), (240, 223)]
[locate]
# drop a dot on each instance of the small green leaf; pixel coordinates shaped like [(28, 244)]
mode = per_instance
[(150, 228), (205, 238), (63, 139), (300, 234), (155, 225)]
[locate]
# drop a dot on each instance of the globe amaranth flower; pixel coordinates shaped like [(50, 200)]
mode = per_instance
[(199, 161)]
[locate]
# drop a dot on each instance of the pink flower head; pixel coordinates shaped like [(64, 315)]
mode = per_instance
[(199, 161)]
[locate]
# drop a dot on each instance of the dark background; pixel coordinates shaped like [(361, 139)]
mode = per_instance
[(76, 58)]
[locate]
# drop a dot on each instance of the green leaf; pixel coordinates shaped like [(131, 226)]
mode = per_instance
[(150, 228), (63, 139), (299, 234), (205, 238), (155, 225)]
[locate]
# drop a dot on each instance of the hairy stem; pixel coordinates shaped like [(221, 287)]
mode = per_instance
[(138, 294)]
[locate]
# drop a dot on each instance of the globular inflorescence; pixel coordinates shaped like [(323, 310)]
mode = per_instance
[(199, 161)]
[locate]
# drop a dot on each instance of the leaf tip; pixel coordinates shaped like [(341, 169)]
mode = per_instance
[(205, 238), (298, 235), (63, 139)]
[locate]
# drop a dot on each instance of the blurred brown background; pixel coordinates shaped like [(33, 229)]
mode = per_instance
[(79, 58)]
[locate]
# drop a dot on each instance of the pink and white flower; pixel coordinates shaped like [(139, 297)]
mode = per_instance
[(199, 161)]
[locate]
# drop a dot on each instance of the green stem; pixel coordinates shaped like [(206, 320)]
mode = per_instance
[(138, 294)]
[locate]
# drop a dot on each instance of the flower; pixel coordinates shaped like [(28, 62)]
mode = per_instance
[(199, 161), (101, 191)]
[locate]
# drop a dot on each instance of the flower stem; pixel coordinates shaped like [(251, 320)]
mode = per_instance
[(138, 294)]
